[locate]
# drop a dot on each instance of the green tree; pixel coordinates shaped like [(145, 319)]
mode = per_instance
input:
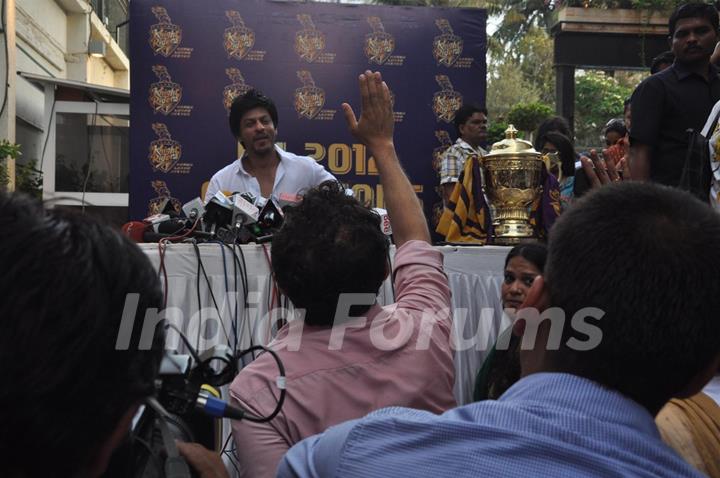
[(508, 87), (523, 75), (7, 150), (527, 117), (598, 98), (534, 56)]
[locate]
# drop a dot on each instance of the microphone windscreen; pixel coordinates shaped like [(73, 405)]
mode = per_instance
[(134, 230)]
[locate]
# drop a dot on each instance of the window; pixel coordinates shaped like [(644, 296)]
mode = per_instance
[(88, 156)]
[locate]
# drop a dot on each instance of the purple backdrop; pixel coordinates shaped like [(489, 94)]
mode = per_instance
[(189, 59)]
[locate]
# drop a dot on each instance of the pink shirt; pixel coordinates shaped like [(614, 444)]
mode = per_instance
[(369, 371)]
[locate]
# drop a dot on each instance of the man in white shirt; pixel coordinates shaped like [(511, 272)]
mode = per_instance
[(265, 169)]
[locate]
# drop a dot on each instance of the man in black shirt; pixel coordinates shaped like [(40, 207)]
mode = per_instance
[(667, 104)]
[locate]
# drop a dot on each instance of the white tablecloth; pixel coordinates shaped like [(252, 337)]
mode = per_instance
[(474, 273)]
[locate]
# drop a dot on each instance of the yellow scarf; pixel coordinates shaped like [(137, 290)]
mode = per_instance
[(463, 220)]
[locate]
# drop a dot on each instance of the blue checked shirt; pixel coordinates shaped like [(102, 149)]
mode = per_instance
[(546, 425), (453, 160)]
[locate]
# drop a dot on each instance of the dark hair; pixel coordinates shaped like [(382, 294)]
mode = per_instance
[(693, 10), (557, 124), (329, 245), (244, 103), (465, 112), (533, 252), (565, 150), (627, 103), (664, 58), (658, 292), (617, 125), (64, 284)]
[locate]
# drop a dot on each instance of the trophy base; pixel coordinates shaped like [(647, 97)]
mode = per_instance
[(511, 233)]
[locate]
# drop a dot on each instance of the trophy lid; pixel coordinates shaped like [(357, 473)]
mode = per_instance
[(512, 146)]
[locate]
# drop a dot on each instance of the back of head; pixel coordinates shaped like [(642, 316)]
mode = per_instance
[(250, 100), (565, 150), (465, 112), (329, 245), (64, 284), (617, 125), (648, 257), (557, 124), (693, 10), (662, 61)]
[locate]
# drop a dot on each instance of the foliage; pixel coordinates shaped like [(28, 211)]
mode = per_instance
[(658, 5), (7, 149), (598, 98), (522, 75), (527, 117), (28, 178), (508, 87), (496, 132)]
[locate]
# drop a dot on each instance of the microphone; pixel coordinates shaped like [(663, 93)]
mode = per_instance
[(218, 211), (385, 225), (134, 230), (194, 209), (244, 211), (271, 216)]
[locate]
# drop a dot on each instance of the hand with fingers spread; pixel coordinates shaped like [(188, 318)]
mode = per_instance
[(375, 130), (375, 126), (600, 172)]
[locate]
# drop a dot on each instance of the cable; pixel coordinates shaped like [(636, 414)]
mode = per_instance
[(280, 380), (227, 295), (193, 352), (280, 384), (392, 277), (89, 162), (197, 289), (162, 246), (235, 315), (245, 280), (201, 267), (231, 454), (271, 295), (105, 156), (47, 132), (7, 60)]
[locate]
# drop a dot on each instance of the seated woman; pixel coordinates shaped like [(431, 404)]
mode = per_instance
[(501, 367)]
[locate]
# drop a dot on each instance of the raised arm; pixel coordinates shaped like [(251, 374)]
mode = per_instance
[(375, 130)]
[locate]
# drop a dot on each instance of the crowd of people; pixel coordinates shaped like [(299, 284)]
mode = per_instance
[(678, 96), (607, 365)]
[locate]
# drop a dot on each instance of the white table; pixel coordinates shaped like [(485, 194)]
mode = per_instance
[(474, 273)]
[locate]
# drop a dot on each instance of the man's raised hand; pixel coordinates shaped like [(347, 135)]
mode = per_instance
[(376, 124)]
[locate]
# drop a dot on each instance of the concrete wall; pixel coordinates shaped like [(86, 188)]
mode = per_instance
[(52, 39)]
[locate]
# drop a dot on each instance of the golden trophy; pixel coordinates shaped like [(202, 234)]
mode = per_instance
[(513, 175)]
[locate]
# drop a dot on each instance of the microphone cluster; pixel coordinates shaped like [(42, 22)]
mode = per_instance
[(239, 218)]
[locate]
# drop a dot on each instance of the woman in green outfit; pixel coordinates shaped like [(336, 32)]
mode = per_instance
[(502, 367)]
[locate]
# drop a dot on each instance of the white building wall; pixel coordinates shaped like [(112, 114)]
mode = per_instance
[(52, 39)]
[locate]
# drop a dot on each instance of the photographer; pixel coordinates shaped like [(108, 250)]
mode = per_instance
[(69, 391)]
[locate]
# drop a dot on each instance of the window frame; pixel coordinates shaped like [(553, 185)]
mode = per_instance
[(49, 166)]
